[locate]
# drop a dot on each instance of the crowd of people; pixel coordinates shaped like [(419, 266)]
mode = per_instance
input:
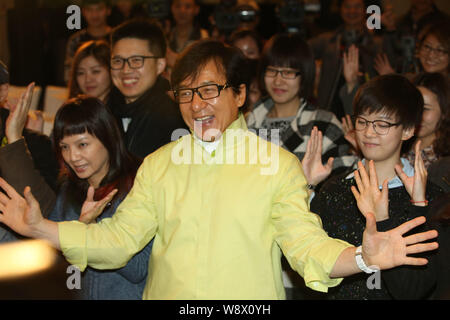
[(197, 164)]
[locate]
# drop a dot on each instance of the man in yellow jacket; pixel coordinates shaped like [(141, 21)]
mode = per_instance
[(221, 203)]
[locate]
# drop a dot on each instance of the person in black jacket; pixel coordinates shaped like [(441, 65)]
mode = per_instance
[(139, 100), (16, 142), (433, 280)]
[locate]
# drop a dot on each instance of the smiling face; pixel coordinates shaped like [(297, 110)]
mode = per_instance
[(93, 78), (378, 147), (86, 156), (353, 13), (210, 118), (133, 83), (431, 114), (432, 55), (283, 91)]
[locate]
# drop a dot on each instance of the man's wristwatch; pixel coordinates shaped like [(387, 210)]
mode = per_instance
[(360, 261)]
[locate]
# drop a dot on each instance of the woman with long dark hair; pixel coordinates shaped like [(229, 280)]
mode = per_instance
[(96, 174), (94, 161), (435, 126)]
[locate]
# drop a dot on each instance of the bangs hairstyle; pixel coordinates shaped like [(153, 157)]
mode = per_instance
[(99, 49), (87, 114), (229, 60), (392, 95), (290, 50), (142, 29)]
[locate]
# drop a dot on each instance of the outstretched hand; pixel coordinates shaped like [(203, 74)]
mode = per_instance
[(350, 68), (315, 171), (18, 115), (368, 196), (92, 209), (415, 185), (391, 249), (20, 214)]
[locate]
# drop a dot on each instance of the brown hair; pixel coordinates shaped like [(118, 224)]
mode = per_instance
[(99, 49)]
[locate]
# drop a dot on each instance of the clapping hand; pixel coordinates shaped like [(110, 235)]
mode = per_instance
[(368, 196), (349, 131), (415, 185), (382, 64), (313, 168), (92, 209), (351, 67), (18, 115)]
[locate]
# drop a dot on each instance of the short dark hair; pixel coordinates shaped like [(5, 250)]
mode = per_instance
[(290, 50), (228, 59), (143, 29), (393, 94), (88, 114)]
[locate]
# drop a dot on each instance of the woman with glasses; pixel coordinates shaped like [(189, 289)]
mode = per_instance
[(90, 71), (387, 110), (286, 72), (433, 48)]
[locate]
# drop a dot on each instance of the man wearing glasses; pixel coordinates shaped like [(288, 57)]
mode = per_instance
[(141, 104), (219, 229)]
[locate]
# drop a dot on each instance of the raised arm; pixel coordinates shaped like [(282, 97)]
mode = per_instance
[(315, 171), (28, 164)]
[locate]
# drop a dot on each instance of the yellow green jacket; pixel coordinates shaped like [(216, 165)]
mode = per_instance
[(218, 223)]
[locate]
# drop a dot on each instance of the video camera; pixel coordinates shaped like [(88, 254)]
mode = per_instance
[(291, 14), (228, 16)]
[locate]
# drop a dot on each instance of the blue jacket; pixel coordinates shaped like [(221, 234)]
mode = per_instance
[(126, 283)]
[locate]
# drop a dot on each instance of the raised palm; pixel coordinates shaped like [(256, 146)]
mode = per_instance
[(368, 196), (92, 209), (313, 167)]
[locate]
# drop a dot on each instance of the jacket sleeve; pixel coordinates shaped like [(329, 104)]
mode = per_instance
[(300, 235), (19, 170), (137, 268)]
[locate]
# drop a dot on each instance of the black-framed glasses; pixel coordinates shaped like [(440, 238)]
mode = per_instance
[(205, 92), (134, 62), (285, 73), (437, 51), (381, 127)]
